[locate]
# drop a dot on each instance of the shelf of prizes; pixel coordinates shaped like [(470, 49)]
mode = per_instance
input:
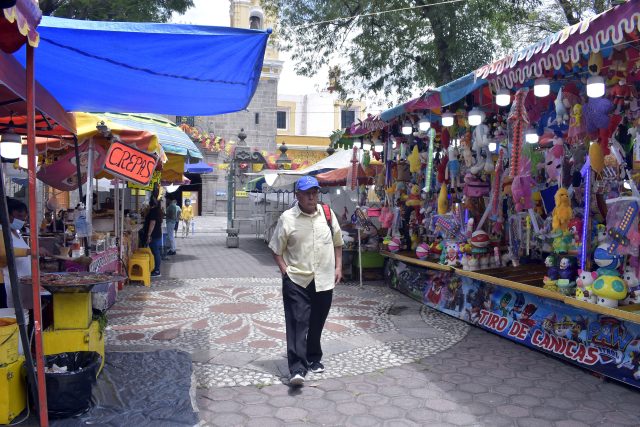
[(510, 196)]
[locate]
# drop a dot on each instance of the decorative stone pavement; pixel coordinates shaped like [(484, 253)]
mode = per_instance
[(406, 366), (235, 328)]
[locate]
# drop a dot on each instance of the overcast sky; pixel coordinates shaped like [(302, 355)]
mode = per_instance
[(216, 12)]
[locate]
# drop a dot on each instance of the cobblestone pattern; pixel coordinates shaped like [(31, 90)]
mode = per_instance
[(483, 380), (231, 323)]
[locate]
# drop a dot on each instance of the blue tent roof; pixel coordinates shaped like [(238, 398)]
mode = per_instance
[(172, 139), (200, 167), (141, 67)]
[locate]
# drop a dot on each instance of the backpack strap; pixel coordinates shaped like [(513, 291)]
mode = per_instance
[(327, 214)]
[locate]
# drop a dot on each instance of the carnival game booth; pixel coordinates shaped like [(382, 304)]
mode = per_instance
[(514, 206)]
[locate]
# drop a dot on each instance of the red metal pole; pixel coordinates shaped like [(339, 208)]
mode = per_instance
[(35, 250)]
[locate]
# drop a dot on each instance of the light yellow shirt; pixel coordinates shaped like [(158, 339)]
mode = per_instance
[(187, 213), (307, 245)]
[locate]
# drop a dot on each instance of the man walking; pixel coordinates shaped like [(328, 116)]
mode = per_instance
[(172, 216), (307, 246)]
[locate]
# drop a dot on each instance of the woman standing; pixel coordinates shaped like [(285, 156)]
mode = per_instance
[(153, 229), (187, 217)]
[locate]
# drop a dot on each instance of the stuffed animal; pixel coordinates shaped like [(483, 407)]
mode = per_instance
[(584, 281), (443, 202), (521, 187), (453, 167), (414, 197), (552, 165), (562, 213), (480, 146), (414, 160)]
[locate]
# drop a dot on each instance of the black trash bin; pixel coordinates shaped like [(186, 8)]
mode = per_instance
[(69, 393)]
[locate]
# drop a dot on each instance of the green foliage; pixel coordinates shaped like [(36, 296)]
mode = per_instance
[(396, 52), (115, 10)]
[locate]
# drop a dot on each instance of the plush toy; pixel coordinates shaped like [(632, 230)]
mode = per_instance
[(562, 213), (522, 186), (576, 125), (414, 160), (480, 146), (442, 170), (609, 290), (631, 279), (422, 251), (453, 167), (596, 157), (585, 281), (621, 94), (451, 258), (414, 197), (561, 111), (443, 202), (552, 165), (566, 284)]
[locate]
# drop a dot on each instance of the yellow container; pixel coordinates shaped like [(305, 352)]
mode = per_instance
[(65, 340), (13, 390), (72, 311), (9, 337)]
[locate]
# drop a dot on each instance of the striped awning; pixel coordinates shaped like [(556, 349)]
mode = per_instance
[(172, 139)]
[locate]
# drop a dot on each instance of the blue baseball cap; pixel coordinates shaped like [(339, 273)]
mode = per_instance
[(306, 182)]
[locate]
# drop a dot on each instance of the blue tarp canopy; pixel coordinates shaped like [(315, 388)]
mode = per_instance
[(200, 167), (459, 88), (172, 139), (449, 93), (148, 68)]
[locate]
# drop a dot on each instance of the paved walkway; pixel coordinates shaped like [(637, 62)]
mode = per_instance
[(390, 361)]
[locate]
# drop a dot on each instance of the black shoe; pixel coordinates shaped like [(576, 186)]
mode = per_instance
[(316, 367), (155, 274), (171, 253), (297, 379)]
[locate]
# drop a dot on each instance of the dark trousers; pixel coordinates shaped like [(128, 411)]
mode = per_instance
[(155, 246), (305, 312)]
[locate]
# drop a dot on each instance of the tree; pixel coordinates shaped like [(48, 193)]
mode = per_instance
[(115, 10), (396, 52)]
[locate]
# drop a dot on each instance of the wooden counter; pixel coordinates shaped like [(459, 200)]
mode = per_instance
[(524, 278)]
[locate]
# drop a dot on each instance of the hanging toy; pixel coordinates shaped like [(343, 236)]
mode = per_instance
[(414, 160), (495, 190), (453, 168), (519, 121), (596, 157), (429, 170), (443, 202), (562, 213)]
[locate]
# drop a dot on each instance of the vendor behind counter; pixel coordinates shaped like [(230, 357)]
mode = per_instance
[(18, 213)]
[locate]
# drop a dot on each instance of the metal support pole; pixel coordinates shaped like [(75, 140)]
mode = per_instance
[(35, 248)]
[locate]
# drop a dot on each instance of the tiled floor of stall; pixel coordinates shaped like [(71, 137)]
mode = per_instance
[(390, 361)]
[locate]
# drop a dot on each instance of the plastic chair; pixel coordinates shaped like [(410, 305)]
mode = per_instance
[(147, 251), (139, 269)]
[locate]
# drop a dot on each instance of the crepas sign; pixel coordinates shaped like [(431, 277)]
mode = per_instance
[(130, 163)]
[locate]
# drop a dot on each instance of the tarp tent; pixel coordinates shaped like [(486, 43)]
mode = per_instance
[(147, 67)]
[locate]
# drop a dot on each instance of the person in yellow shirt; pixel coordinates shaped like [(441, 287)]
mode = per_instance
[(17, 217), (186, 216)]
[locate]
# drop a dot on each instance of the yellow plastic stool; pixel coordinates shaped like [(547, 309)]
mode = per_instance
[(139, 269), (152, 263)]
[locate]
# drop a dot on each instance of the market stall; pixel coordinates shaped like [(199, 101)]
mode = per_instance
[(511, 201), (74, 56)]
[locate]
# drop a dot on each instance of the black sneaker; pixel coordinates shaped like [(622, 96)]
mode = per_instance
[(297, 379), (316, 367), (155, 274), (171, 253)]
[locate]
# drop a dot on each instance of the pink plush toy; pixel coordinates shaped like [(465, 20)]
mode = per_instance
[(522, 185)]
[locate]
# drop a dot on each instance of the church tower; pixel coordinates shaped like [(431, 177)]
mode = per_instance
[(249, 14), (259, 118)]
